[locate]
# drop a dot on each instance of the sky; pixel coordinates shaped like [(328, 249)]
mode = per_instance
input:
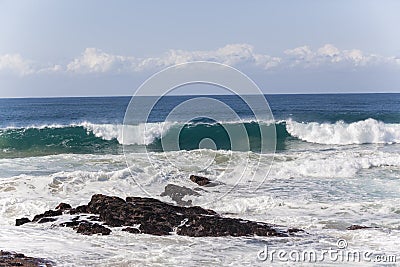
[(101, 48)]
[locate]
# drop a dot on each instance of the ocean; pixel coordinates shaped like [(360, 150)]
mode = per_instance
[(336, 164)]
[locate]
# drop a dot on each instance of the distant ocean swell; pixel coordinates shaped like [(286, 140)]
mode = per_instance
[(107, 138)]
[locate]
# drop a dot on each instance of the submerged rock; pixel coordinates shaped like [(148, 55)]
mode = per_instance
[(152, 216), (357, 227), (202, 181)]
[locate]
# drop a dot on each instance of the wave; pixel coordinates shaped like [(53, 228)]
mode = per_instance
[(369, 131), (108, 138)]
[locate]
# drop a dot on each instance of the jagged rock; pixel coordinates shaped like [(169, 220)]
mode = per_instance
[(21, 221), (357, 227), (202, 181), (63, 206), (8, 259), (152, 216), (177, 193)]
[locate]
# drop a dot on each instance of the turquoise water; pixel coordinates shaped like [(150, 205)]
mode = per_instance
[(49, 126)]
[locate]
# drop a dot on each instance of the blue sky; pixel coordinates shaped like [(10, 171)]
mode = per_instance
[(75, 48)]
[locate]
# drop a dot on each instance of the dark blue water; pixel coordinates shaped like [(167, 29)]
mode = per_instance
[(33, 121), (307, 108)]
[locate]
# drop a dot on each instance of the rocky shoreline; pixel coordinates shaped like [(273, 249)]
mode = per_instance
[(151, 216)]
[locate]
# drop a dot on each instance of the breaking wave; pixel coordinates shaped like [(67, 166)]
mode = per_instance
[(107, 138)]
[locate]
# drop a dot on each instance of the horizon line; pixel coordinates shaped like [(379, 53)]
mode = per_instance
[(104, 96)]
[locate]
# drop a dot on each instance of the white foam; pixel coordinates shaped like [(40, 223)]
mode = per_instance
[(368, 131), (141, 134), (331, 164), (290, 202)]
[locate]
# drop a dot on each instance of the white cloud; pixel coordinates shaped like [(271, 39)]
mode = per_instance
[(15, 63), (233, 54), (94, 60), (329, 55)]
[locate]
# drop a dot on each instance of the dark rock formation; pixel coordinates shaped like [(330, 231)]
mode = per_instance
[(79, 209), (295, 230), (88, 228), (17, 259), (152, 216), (357, 227), (177, 193), (49, 213), (21, 221), (202, 181)]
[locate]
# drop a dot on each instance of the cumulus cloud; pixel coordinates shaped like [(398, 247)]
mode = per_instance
[(16, 64), (329, 55), (94, 60), (233, 54)]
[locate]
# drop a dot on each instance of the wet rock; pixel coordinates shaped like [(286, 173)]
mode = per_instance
[(219, 226), (79, 209), (49, 213), (21, 221), (152, 216), (63, 206), (88, 228), (73, 224), (8, 259), (177, 193), (202, 181), (357, 227), (295, 230)]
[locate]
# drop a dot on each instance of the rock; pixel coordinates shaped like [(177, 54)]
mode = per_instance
[(63, 206), (295, 230), (88, 228), (177, 193), (202, 181), (49, 213), (357, 227), (73, 224), (17, 259), (152, 216), (21, 221), (79, 209)]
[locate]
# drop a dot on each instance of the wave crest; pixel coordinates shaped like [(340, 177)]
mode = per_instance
[(369, 131)]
